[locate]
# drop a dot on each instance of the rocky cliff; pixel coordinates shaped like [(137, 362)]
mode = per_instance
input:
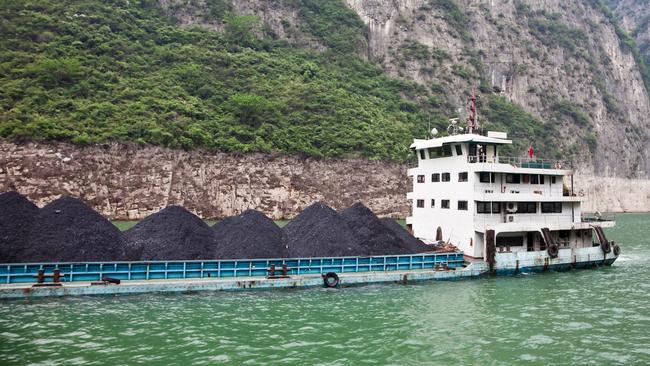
[(563, 61), (543, 55), (130, 182)]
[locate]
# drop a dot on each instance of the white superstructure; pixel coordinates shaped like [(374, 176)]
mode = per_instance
[(488, 205)]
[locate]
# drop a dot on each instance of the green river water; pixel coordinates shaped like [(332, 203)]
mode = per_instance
[(599, 317)]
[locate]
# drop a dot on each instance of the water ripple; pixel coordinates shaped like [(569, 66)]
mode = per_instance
[(595, 316)]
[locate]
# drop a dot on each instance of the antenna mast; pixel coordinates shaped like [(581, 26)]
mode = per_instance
[(471, 112)]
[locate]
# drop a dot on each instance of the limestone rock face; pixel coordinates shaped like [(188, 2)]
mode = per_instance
[(130, 182), (539, 54)]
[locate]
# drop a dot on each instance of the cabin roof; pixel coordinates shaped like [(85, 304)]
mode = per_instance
[(467, 137)]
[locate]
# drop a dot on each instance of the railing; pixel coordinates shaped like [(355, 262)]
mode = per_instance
[(519, 162), (597, 217), (522, 218), (159, 270)]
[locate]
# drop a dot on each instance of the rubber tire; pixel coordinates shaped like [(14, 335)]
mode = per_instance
[(553, 250), (334, 279), (606, 247), (616, 249)]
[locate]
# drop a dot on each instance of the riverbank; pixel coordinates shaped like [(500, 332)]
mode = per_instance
[(131, 182)]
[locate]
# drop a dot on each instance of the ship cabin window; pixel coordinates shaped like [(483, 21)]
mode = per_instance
[(526, 207), (462, 177), (551, 207), (444, 204), (440, 152), (485, 177), (532, 178), (422, 155), (462, 205), (484, 207), (435, 177), (446, 177), (446, 150), (433, 203), (420, 203), (553, 179), (459, 150), (510, 241), (420, 178), (513, 178)]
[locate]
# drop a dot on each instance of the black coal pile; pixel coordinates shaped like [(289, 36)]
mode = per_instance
[(66, 230), (372, 234), (249, 235), (413, 244), (170, 234), (17, 214), (319, 231)]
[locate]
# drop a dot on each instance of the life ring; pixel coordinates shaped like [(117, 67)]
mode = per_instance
[(606, 247), (558, 165), (331, 279), (553, 250), (616, 249)]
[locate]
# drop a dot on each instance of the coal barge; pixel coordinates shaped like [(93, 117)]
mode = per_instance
[(504, 215)]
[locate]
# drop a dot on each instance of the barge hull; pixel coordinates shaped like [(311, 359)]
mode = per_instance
[(25, 291)]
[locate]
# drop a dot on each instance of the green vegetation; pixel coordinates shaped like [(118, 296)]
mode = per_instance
[(331, 21), (91, 71), (452, 14), (567, 109), (551, 31), (627, 42), (414, 50), (522, 127)]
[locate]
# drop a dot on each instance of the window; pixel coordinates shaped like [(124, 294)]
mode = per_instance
[(435, 177), (553, 179), (435, 152), (510, 241), (484, 207), (446, 177), (420, 203), (462, 177), (526, 207), (440, 152), (420, 178), (536, 179), (513, 178), (444, 203), (459, 150), (433, 203), (422, 155), (485, 177), (446, 150), (462, 205), (551, 207)]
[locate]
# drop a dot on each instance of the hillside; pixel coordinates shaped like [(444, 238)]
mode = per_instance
[(634, 18), (323, 78)]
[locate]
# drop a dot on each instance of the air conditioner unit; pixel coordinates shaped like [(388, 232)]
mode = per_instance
[(511, 218)]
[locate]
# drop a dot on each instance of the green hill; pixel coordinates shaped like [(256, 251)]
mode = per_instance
[(92, 71)]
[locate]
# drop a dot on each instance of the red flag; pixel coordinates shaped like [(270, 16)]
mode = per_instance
[(531, 152)]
